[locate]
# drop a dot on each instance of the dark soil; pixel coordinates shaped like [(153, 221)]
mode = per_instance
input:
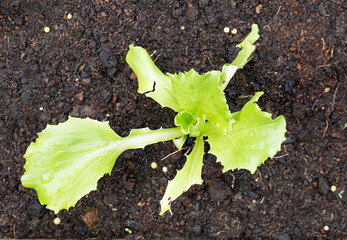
[(79, 69)]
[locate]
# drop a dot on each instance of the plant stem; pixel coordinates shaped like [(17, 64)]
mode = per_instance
[(228, 71), (148, 137)]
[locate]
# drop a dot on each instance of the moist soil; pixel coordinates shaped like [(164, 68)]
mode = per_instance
[(78, 68)]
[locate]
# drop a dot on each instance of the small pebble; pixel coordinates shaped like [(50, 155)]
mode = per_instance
[(182, 28), (46, 29), (154, 165), (326, 228), (57, 221), (326, 90), (234, 31), (164, 169), (41, 108), (314, 184), (333, 188), (69, 16), (226, 30)]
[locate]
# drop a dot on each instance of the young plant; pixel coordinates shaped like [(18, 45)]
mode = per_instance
[(67, 160)]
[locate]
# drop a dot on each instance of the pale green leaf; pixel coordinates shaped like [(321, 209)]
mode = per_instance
[(201, 96), (247, 47), (189, 175), (250, 140), (197, 94), (185, 120), (190, 124), (67, 160), (151, 80), (244, 56), (179, 142)]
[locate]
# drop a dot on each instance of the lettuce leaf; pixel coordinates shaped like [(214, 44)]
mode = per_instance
[(191, 92), (152, 82), (179, 142), (189, 175), (244, 56), (201, 96), (250, 140), (67, 160)]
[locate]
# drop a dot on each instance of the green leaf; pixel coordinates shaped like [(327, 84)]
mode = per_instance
[(190, 124), (201, 96), (244, 56), (67, 160), (189, 175), (185, 120), (179, 142), (247, 47), (197, 94), (250, 140), (151, 80)]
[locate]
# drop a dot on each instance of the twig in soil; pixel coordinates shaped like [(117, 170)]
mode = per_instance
[(260, 178), (14, 230), (151, 218), (323, 47), (245, 96), (326, 128), (26, 52), (119, 169), (262, 200), (174, 153), (314, 104), (332, 106), (219, 233), (324, 65), (233, 182), (278, 10), (287, 154), (156, 58), (268, 27)]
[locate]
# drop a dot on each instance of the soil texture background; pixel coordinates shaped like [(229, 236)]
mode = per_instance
[(78, 68)]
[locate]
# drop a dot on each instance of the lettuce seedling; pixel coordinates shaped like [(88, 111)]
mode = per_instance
[(67, 160)]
